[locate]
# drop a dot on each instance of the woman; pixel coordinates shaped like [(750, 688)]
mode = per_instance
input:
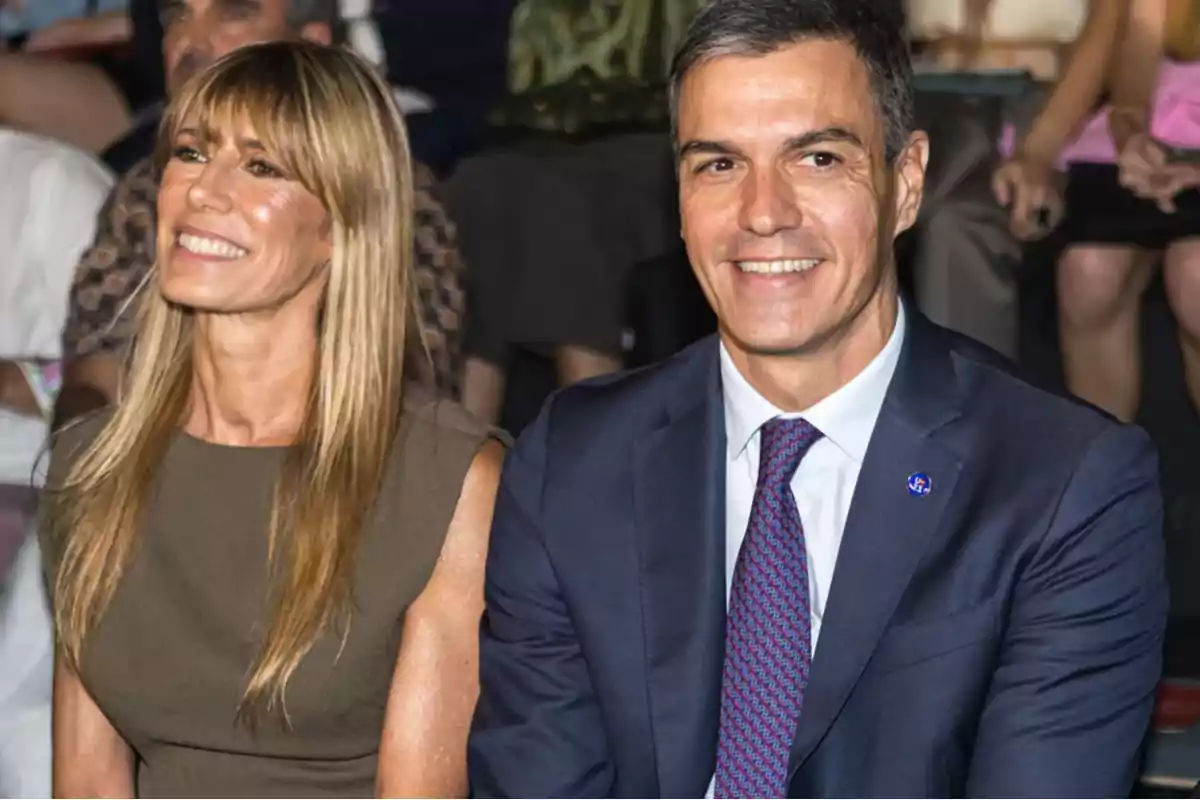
[(268, 560), (1154, 123), (1124, 202)]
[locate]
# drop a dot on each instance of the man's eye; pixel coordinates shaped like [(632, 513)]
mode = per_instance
[(822, 160), (716, 165)]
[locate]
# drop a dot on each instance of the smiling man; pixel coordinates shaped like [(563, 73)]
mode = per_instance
[(834, 550)]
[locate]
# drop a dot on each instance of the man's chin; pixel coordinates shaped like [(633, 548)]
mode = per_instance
[(760, 345)]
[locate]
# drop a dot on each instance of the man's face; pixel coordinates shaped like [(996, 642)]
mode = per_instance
[(789, 205), (198, 32)]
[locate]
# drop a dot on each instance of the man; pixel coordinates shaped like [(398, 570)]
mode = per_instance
[(939, 580), (102, 308)]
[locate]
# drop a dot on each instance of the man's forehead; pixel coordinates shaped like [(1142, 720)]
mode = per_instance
[(811, 84), (806, 69)]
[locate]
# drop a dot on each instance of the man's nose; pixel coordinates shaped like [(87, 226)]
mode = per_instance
[(768, 203)]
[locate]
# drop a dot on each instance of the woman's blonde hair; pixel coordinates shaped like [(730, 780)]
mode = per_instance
[(332, 124)]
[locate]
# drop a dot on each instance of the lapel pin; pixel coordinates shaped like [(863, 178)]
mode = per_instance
[(919, 484)]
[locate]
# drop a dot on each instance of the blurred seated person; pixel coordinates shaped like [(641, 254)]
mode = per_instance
[(1130, 198), (967, 245), (48, 202), (551, 225), (302, 614), (87, 101), (105, 290)]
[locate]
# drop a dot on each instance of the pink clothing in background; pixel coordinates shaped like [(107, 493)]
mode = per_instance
[(1176, 119)]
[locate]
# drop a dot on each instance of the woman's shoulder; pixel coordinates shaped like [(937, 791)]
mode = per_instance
[(431, 419), (436, 446)]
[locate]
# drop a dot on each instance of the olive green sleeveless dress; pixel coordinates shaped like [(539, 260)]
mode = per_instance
[(169, 661)]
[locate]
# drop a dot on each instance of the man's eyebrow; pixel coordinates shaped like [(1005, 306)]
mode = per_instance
[(708, 147), (832, 133)]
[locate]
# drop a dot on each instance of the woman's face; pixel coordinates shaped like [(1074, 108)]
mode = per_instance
[(237, 235)]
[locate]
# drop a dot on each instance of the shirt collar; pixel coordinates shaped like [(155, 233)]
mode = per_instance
[(846, 417)]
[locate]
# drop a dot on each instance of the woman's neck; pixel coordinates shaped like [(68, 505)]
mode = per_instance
[(251, 378)]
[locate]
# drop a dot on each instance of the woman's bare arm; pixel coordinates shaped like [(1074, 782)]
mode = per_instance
[(1133, 85), (110, 27), (1083, 78), (90, 757), (423, 752)]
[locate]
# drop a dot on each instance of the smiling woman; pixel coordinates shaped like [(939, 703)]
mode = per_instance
[(270, 538)]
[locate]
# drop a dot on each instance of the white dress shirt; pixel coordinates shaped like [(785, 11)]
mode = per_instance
[(824, 483)]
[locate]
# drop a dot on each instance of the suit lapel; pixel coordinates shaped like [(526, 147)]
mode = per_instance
[(679, 481), (888, 528)]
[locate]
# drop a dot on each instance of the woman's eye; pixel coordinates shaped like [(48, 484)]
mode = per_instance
[(262, 169), (186, 154)]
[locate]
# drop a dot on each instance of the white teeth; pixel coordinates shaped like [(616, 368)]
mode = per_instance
[(778, 267), (209, 247)]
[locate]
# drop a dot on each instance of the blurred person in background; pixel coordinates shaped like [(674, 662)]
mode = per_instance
[(1154, 124), (64, 73), (49, 196), (1130, 201), (267, 559)]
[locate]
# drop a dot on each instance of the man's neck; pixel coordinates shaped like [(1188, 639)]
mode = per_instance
[(793, 382)]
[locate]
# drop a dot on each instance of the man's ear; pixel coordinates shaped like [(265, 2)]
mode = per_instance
[(909, 177)]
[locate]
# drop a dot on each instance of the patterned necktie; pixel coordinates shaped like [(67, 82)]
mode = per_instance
[(768, 635)]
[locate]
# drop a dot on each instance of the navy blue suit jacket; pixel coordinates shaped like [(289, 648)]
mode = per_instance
[(1000, 635)]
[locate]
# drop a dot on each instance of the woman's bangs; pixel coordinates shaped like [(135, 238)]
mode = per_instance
[(233, 102)]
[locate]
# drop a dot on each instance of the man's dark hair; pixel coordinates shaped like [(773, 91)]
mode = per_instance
[(304, 12), (875, 28)]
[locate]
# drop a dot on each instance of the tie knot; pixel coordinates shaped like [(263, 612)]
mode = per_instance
[(784, 443)]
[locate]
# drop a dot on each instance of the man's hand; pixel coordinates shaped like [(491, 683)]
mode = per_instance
[(1029, 188), (15, 394)]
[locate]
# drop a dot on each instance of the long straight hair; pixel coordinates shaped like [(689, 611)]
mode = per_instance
[(333, 125)]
